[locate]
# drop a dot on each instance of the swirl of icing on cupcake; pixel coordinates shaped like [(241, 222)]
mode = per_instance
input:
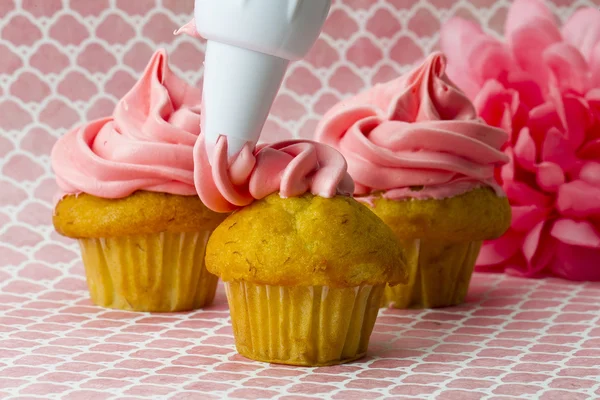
[(291, 168), (146, 145), (416, 131)]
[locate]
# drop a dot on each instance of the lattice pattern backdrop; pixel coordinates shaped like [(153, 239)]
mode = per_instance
[(65, 62)]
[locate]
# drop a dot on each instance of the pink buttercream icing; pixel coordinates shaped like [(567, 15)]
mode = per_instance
[(291, 168), (418, 130), (153, 142), (188, 29), (146, 145)]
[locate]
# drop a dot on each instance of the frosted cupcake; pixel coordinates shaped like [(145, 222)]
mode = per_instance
[(424, 163), (128, 197), (304, 264)]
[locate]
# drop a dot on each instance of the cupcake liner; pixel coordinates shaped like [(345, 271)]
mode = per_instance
[(439, 274), (308, 326), (161, 272)]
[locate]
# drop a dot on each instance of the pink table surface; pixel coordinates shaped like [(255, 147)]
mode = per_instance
[(64, 62), (514, 338)]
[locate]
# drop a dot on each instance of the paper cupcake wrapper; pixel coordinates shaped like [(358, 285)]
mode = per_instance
[(439, 274), (162, 272), (309, 326)]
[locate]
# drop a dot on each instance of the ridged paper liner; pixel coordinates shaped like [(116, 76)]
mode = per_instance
[(162, 272), (310, 326), (439, 274)]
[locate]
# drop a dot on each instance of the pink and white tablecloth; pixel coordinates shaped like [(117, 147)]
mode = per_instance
[(63, 62), (514, 339)]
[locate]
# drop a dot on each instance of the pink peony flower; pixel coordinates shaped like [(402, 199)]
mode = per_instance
[(542, 85)]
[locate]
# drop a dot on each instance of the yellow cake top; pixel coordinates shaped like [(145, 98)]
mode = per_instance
[(87, 216), (479, 214), (306, 241)]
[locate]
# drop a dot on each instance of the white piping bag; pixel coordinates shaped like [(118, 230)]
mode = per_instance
[(250, 45)]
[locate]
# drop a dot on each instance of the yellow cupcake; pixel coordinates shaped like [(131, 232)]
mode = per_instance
[(131, 198), (304, 277), (144, 252), (425, 162), (440, 240)]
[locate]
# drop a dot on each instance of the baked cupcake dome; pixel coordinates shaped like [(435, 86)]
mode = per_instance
[(476, 215), (86, 216), (305, 241)]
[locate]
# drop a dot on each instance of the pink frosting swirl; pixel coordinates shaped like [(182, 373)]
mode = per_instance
[(291, 168), (146, 145), (418, 130)]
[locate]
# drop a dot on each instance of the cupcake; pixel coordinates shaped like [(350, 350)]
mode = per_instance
[(128, 197), (304, 264), (424, 163)]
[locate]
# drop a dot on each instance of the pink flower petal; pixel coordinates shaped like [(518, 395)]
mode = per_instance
[(542, 119), (457, 39), (593, 96), (497, 251), (568, 66), (474, 56), (530, 29), (524, 218), (500, 107), (590, 173), (557, 149), (590, 150), (549, 176), (507, 171), (530, 93), (532, 240), (582, 30), (522, 12), (525, 150), (576, 233), (538, 247), (576, 118), (593, 99), (520, 193), (578, 199), (576, 263), (464, 80), (594, 62)]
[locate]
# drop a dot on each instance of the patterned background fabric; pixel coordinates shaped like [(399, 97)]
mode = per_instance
[(65, 62)]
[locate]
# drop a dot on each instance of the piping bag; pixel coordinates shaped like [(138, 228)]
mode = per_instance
[(250, 44)]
